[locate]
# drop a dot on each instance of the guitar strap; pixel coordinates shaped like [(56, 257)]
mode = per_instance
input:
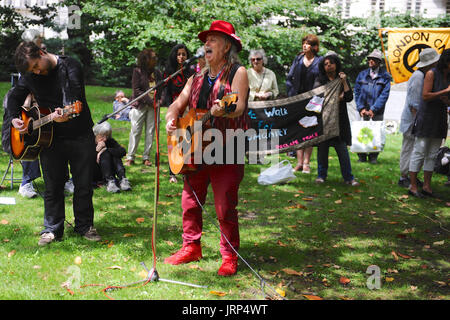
[(28, 102)]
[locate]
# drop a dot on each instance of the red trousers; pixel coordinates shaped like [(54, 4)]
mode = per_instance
[(224, 180)]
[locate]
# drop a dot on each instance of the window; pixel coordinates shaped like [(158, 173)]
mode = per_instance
[(373, 5), (381, 5), (447, 9), (408, 5), (347, 8), (418, 5), (340, 5)]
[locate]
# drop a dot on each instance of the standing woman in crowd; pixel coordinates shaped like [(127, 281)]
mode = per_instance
[(301, 78), (330, 68), (145, 76), (430, 125), (178, 55), (262, 81)]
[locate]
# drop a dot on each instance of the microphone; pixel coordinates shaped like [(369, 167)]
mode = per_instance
[(195, 57)]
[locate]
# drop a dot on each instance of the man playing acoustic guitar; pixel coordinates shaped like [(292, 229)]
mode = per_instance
[(203, 91), (57, 81)]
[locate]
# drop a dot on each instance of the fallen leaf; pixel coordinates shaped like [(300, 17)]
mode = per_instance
[(3, 221), (218, 293), (440, 283), (404, 256), (438, 243), (389, 279), (195, 267), (128, 235), (140, 220), (413, 288), (311, 297), (11, 253), (143, 274), (308, 199), (395, 255), (281, 292), (281, 244), (338, 201), (292, 272), (389, 270), (77, 260), (344, 280), (110, 244), (115, 268)]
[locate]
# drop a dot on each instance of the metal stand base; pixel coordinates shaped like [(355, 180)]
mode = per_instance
[(12, 179), (154, 276)]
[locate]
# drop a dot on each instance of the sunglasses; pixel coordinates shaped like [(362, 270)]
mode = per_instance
[(256, 59)]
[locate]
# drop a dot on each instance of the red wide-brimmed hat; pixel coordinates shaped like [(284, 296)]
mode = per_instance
[(222, 27)]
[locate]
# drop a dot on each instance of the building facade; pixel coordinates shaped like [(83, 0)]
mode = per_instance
[(62, 18), (365, 8)]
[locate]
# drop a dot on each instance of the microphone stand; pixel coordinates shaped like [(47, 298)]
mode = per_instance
[(152, 274), (156, 86)]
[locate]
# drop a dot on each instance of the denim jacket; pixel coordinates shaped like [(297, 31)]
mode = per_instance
[(372, 94)]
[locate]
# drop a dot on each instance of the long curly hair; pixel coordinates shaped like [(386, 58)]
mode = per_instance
[(172, 63), (144, 58)]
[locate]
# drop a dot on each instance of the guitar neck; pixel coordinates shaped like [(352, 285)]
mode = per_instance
[(42, 121)]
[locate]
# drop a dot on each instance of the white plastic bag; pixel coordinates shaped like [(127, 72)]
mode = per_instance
[(278, 173), (315, 104), (368, 136)]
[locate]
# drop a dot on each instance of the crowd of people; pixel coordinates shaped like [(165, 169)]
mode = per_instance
[(94, 156)]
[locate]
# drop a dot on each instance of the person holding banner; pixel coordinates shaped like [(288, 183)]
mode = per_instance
[(430, 125), (372, 89), (330, 68), (300, 79), (223, 75), (427, 60)]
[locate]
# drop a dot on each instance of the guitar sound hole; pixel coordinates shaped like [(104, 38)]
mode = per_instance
[(187, 135)]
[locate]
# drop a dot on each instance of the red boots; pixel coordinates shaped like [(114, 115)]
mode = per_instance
[(193, 252), (229, 266), (188, 253)]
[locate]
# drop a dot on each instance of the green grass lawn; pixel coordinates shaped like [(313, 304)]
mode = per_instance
[(304, 239)]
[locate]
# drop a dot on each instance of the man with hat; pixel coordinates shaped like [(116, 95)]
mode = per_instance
[(427, 60), (203, 90), (372, 89)]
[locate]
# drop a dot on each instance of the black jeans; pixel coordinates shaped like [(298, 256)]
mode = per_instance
[(110, 167), (80, 154)]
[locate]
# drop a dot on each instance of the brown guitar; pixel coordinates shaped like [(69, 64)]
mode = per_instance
[(185, 140), (27, 146)]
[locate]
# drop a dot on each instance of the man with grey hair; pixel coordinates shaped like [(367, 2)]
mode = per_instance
[(262, 81)]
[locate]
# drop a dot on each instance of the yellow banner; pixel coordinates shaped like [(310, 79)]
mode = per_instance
[(405, 45)]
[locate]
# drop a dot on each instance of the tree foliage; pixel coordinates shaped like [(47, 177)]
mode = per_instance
[(113, 32)]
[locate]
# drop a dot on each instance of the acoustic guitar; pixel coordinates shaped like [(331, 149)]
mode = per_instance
[(187, 138), (38, 120)]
